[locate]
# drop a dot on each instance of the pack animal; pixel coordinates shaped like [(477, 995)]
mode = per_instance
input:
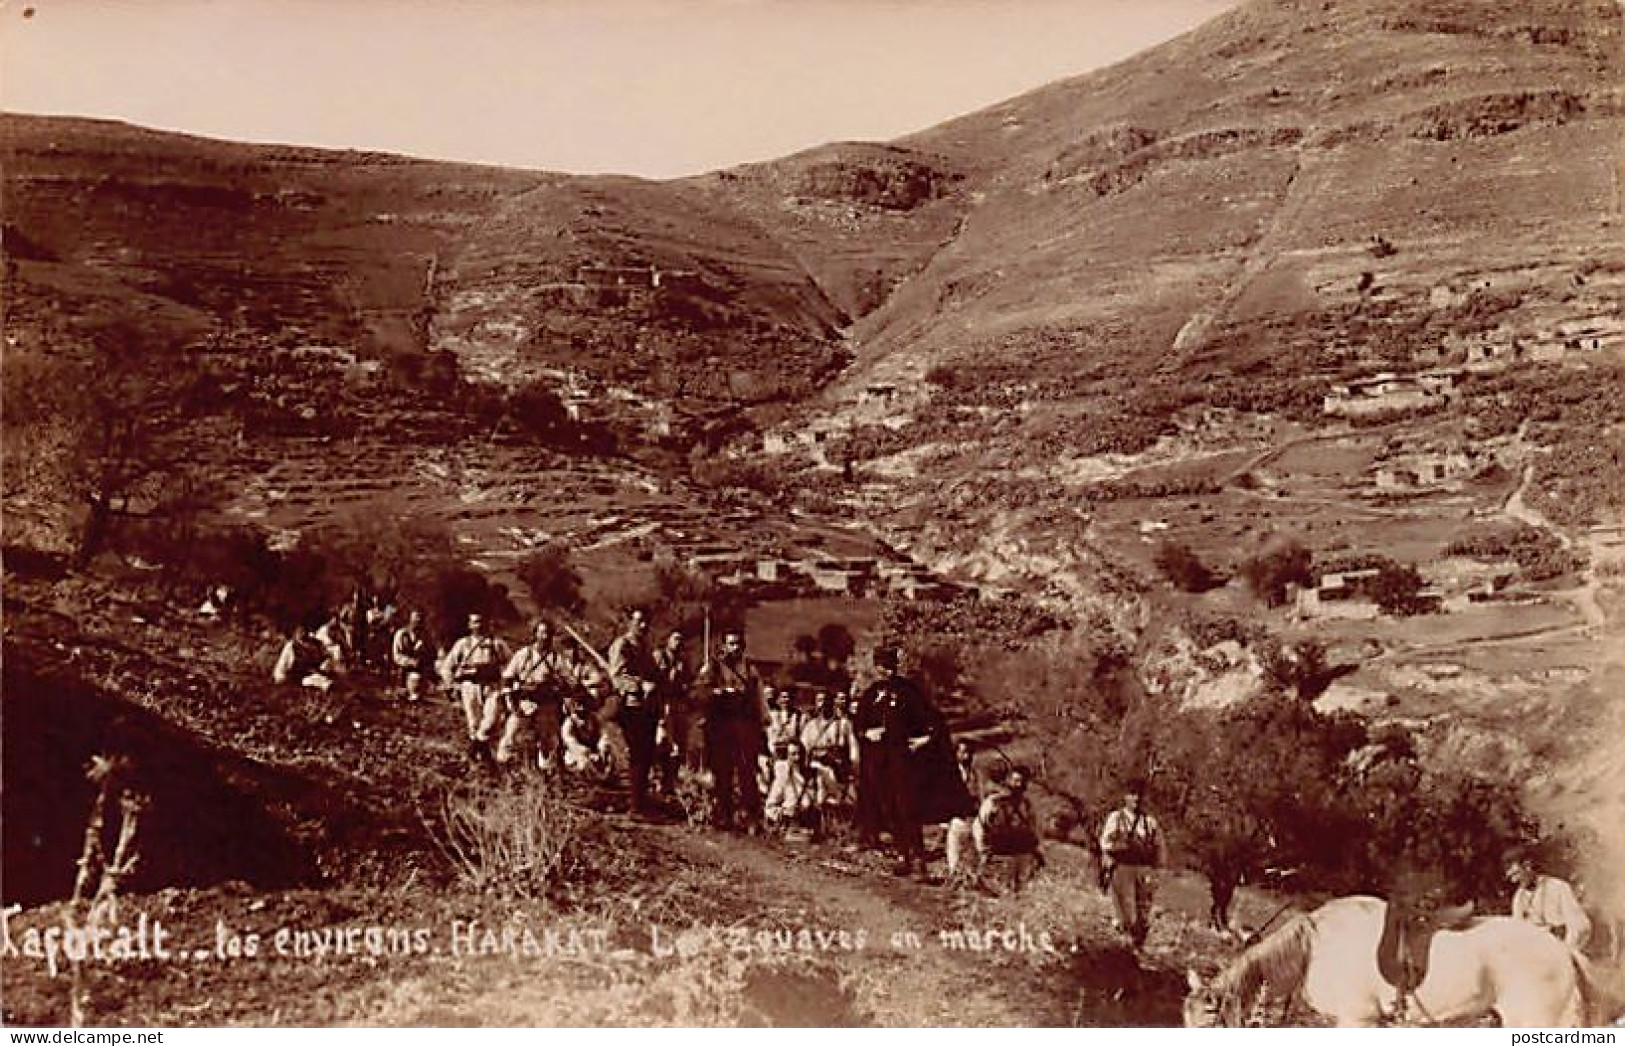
[(1328, 960)]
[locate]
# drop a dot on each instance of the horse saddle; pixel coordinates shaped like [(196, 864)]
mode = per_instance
[(1408, 926)]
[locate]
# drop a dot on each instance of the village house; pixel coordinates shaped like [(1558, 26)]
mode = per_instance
[(1430, 468), (1440, 381), (877, 395), (1337, 594), (1607, 544), (1545, 347), (842, 576), (1592, 333), (1460, 581), (1378, 394)]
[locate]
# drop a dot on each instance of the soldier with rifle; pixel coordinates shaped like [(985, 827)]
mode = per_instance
[(474, 667), (535, 683), (635, 676), (733, 733)]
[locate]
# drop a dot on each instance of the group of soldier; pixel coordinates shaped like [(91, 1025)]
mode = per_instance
[(877, 757)]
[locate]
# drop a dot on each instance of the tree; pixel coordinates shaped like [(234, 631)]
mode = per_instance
[(97, 427), (376, 551), (1183, 568), (537, 410), (1397, 590), (939, 668), (550, 578), (455, 592), (1301, 670), (836, 643), (1270, 572), (686, 598)]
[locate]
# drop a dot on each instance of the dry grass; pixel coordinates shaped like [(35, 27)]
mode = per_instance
[(514, 836)]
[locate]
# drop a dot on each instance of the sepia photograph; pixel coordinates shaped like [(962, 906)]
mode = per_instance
[(812, 514)]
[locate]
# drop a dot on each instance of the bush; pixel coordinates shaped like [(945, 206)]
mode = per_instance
[(1397, 590), (453, 592), (551, 580), (1539, 555), (1301, 669), (1183, 568), (513, 837), (1269, 573), (536, 410)]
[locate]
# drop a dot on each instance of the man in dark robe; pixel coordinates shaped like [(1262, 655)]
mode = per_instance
[(910, 764)]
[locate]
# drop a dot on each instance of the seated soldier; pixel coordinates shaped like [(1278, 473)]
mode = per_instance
[(303, 661), (789, 793), (586, 749), (334, 636)]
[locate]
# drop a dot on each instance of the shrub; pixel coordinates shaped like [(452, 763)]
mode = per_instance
[(453, 592), (1397, 590), (535, 409), (512, 837), (1268, 573), (1183, 568), (551, 580)]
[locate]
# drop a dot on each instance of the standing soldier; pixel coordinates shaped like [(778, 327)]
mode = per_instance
[(904, 739), (827, 739), (535, 682), (413, 656), (677, 711), (1131, 845), (733, 731), (635, 677), (474, 667)]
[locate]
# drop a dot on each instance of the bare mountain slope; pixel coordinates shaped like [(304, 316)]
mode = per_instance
[(1248, 168), (380, 254)]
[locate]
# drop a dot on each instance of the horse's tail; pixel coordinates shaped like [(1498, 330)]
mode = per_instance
[(1598, 1006)]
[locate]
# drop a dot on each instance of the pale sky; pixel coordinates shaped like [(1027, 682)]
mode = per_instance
[(652, 87)]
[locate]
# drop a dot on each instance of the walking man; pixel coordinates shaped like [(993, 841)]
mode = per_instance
[(961, 840), (676, 684), (1131, 846), (827, 739), (899, 730), (535, 683), (474, 667)]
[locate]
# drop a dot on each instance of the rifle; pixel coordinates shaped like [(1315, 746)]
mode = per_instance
[(705, 643), (599, 659)]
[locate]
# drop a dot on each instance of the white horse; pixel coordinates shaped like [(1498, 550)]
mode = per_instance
[(1327, 959)]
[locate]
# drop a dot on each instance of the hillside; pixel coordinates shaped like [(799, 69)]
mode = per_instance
[(1279, 367), (619, 279)]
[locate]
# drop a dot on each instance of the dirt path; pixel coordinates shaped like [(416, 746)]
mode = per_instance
[(926, 984), (1583, 596), (1301, 190)]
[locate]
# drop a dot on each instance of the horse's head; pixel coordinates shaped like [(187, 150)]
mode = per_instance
[(1202, 1009)]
